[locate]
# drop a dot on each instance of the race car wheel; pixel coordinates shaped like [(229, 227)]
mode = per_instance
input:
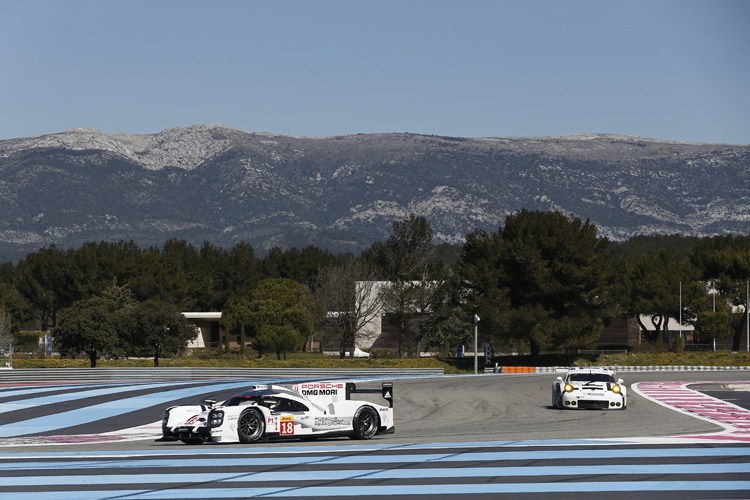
[(250, 426), (365, 423)]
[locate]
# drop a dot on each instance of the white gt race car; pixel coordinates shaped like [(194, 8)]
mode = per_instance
[(589, 388), (305, 411)]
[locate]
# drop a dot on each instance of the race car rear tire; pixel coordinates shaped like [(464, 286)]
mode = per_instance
[(365, 423), (250, 426)]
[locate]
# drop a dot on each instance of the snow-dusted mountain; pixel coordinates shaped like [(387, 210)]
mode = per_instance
[(222, 185)]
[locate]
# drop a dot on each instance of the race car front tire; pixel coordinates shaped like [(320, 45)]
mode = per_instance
[(365, 423), (250, 426)]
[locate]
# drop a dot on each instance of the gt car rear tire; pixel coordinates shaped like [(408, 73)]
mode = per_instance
[(250, 426), (365, 423)]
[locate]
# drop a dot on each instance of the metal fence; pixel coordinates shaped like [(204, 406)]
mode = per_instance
[(64, 375)]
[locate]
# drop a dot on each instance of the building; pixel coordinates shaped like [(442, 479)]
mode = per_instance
[(208, 326)]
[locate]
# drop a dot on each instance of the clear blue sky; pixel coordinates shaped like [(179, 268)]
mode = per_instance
[(667, 69)]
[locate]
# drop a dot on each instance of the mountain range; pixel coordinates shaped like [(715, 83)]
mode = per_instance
[(222, 185)]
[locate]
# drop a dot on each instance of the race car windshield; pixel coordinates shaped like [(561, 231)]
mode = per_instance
[(274, 403), (243, 400), (591, 377)]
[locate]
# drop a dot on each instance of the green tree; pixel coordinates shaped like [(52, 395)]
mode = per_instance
[(5, 325), (300, 266), (237, 314), (280, 339), (91, 326), (725, 261), (407, 260), (236, 274), (556, 272), (408, 252), (182, 277), (158, 327), (96, 325), (91, 269), (282, 315), (172, 274), (641, 245), (483, 292), (45, 279), (448, 324), (711, 325), (15, 306), (653, 286)]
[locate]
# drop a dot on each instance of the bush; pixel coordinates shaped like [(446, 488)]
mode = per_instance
[(658, 346), (383, 354), (28, 342), (450, 365)]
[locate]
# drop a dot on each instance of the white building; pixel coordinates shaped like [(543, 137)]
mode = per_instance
[(207, 325)]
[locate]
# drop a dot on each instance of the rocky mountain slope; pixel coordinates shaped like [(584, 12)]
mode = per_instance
[(222, 185)]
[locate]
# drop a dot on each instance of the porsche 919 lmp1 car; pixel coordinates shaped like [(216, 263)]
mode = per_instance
[(589, 388), (305, 410)]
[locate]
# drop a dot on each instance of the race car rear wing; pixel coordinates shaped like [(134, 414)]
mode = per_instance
[(386, 390), (326, 392)]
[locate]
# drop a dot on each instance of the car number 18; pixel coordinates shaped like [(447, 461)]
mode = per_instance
[(287, 426)]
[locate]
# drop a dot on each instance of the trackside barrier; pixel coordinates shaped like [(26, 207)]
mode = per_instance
[(512, 369), (659, 368), (66, 375)]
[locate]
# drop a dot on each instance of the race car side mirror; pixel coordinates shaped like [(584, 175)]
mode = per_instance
[(209, 402), (620, 381), (559, 379)]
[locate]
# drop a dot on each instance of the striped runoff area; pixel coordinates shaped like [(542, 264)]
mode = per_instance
[(502, 470), (680, 397), (97, 412)]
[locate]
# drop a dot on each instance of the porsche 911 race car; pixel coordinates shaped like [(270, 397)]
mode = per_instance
[(304, 411), (589, 388)]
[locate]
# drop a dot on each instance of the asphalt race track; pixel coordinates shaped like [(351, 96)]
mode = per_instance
[(489, 435)]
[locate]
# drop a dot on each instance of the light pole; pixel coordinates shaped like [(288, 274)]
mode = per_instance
[(680, 310), (476, 354), (713, 294)]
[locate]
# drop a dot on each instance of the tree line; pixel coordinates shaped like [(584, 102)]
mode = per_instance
[(544, 278)]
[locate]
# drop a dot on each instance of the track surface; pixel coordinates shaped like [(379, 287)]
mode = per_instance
[(493, 435), (428, 410)]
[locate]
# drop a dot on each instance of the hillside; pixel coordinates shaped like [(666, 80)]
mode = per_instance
[(214, 183)]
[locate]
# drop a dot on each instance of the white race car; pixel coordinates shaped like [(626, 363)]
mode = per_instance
[(589, 388), (306, 410)]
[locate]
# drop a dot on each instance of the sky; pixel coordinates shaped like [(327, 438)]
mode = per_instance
[(665, 69)]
